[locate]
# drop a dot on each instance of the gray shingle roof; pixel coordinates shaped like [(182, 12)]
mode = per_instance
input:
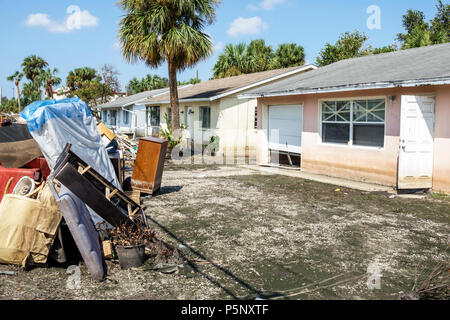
[(383, 70), (217, 87), (136, 98)]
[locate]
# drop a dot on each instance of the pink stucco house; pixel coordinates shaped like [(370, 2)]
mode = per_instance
[(381, 118)]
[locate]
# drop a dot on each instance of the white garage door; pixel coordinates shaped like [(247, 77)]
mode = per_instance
[(285, 128)]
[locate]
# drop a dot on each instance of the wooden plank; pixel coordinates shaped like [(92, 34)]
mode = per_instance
[(85, 170), (112, 194), (92, 197)]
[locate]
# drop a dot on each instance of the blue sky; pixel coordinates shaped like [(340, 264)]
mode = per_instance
[(40, 27)]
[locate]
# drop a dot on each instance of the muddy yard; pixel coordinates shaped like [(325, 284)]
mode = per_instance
[(269, 236)]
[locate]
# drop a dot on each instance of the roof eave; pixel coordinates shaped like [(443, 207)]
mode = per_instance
[(356, 87)]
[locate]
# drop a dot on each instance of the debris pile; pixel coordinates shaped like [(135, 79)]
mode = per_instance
[(61, 177)]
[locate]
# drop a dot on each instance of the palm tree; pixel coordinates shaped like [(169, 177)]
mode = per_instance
[(33, 66), (167, 31), (232, 62), (134, 86), (76, 78), (288, 55), (16, 78), (49, 79), (259, 56), (154, 82)]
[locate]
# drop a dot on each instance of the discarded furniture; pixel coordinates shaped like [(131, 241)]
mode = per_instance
[(96, 192), (82, 229), (36, 170), (149, 165), (117, 164), (105, 132)]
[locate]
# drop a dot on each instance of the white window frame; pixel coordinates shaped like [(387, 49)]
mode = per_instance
[(351, 123), (201, 117), (125, 117)]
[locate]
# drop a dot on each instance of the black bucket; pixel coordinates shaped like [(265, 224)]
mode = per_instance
[(131, 256)]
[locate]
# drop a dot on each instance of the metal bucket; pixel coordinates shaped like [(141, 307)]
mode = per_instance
[(131, 256)]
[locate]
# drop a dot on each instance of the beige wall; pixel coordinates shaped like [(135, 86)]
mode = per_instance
[(377, 165), (232, 119), (236, 124)]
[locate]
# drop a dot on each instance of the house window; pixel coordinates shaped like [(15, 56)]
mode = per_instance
[(105, 115), (354, 122), (205, 117), (154, 114), (126, 117), (113, 119)]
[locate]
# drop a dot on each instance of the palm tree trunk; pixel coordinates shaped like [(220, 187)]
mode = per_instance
[(18, 96), (174, 103)]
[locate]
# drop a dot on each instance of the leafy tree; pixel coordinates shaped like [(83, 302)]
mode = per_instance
[(9, 106), (440, 24), (349, 45), (288, 55), (420, 33), (16, 78), (93, 87), (33, 66), (50, 79), (385, 49), (167, 31)]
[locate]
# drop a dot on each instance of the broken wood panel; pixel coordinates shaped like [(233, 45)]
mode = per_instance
[(92, 197)]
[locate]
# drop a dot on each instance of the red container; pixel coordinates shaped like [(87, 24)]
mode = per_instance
[(37, 169)]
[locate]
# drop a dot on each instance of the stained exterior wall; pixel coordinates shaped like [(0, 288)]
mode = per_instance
[(371, 164)]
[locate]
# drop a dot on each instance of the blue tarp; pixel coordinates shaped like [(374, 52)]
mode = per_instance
[(39, 113)]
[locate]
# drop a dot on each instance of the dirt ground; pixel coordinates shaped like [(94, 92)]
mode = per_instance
[(268, 236)]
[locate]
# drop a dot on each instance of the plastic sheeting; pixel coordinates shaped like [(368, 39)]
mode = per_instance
[(54, 123)]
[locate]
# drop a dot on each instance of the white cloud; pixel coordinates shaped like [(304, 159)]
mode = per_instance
[(218, 46), (266, 5), (116, 45), (247, 26), (38, 19), (75, 20)]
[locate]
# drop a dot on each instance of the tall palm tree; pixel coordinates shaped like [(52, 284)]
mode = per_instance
[(16, 78), (33, 66), (167, 31), (232, 62), (50, 79)]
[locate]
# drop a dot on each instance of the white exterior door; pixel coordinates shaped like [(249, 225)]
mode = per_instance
[(285, 128), (415, 169)]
